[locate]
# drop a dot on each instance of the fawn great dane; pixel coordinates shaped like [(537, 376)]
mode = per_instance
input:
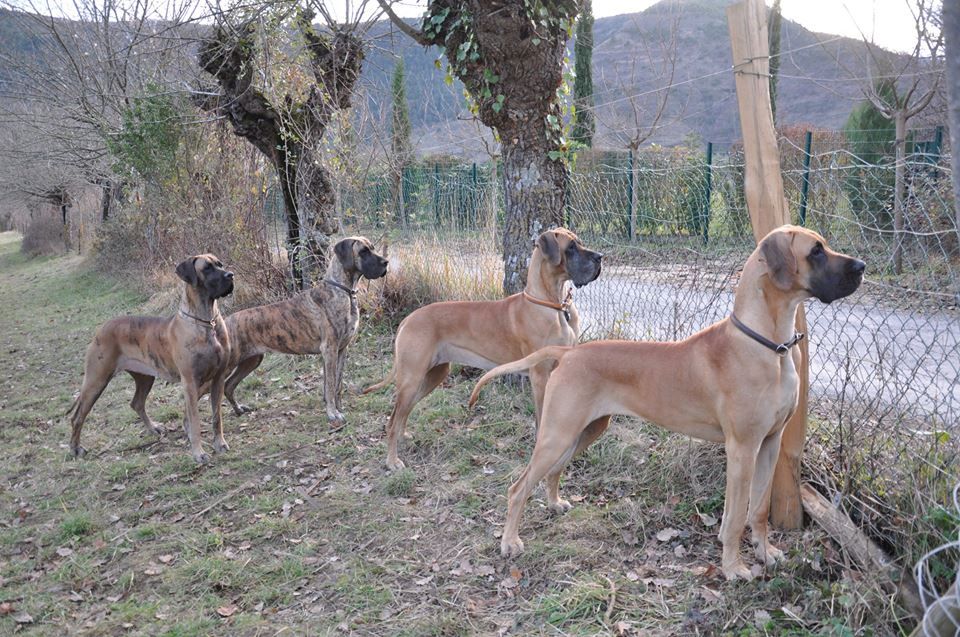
[(734, 382)]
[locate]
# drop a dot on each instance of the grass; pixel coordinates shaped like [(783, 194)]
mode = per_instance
[(130, 539)]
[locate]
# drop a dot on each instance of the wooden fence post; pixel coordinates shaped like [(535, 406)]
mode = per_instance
[(763, 186)]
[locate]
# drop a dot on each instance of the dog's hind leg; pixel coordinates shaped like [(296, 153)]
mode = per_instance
[(96, 377), (555, 447), (144, 383), (552, 482), (409, 395), (246, 366)]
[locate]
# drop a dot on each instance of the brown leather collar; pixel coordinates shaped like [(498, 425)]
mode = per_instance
[(560, 307), (206, 323)]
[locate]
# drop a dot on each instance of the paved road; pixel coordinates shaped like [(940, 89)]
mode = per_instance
[(882, 361)]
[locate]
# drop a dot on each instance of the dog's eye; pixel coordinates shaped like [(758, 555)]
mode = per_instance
[(817, 249), (364, 250)]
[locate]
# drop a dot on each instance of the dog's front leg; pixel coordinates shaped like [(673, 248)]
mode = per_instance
[(760, 500), (191, 395), (741, 462), (331, 368), (216, 405)]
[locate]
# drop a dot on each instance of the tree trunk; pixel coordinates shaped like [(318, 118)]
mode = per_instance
[(951, 32), (533, 197), (900, 190)]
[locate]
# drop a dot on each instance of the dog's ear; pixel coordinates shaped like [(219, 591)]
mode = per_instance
[(187, 271), (344, 252), (547, 242), (777, 251)]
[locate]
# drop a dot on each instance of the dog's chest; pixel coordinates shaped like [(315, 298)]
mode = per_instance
[(787, 390)]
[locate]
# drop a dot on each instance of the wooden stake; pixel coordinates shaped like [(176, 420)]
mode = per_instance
[(763, 186)]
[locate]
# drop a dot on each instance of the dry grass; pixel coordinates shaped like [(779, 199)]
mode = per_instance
[(426, 269), (135, 539)]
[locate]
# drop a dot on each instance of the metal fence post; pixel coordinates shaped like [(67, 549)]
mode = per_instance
[(709, 187), (476, 199), (631, 213), (805, 186), (436, 194)]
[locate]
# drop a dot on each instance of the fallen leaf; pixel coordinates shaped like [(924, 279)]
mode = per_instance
[(165, 559), (629, 538), (485, 570), (665, 535), (707, 519), (423, 582), (632, 576), (509, 583), (515, 573), (64, 551), (710, 595), (153, 569), (23, 618), (761, 618), (6, 608), (622, 628), (465, 568), (659, 581), (680, 550), (227, 611)]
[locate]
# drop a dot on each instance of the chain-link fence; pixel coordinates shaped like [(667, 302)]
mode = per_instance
[(885, 363)]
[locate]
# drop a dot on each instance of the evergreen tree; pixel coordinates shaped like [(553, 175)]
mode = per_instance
[(584, 125), (773, 39), (400, 119), (870, 137), (400, 138)]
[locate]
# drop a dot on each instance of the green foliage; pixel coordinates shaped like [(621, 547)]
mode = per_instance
[(584, 125), (400, 120), (869, 182), (150, 133)]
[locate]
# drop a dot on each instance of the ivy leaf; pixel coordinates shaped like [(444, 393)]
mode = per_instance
[(536, 41), (496, 106), (555, 155)]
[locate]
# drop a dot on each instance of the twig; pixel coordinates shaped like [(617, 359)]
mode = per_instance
[(220, 500), (613, 598)]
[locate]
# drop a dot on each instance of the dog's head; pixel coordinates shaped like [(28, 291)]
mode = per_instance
[(798, 261), (356, 254), (564, 253), (206, 274)]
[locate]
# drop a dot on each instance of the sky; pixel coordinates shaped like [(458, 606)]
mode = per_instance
[(888, 22)]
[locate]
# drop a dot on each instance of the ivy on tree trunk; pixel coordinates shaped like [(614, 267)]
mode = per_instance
[(509, 55), (288, 135)]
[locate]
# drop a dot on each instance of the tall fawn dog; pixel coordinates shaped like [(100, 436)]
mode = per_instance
[(488, 333), (734, 382), (192, 347)]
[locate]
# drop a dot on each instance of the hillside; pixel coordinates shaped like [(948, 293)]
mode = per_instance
[(814, 87)]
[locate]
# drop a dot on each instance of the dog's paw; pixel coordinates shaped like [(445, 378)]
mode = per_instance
[(221, 446), (407, 435), (769, 554), (152, 429), (78, 451), (737, 570), (240, 410), (394, 464), (201, 457), (560, 506), (336, 419), (511, 547)]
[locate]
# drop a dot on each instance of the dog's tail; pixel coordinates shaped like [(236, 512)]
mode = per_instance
[(383, 383), (551, 353)]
